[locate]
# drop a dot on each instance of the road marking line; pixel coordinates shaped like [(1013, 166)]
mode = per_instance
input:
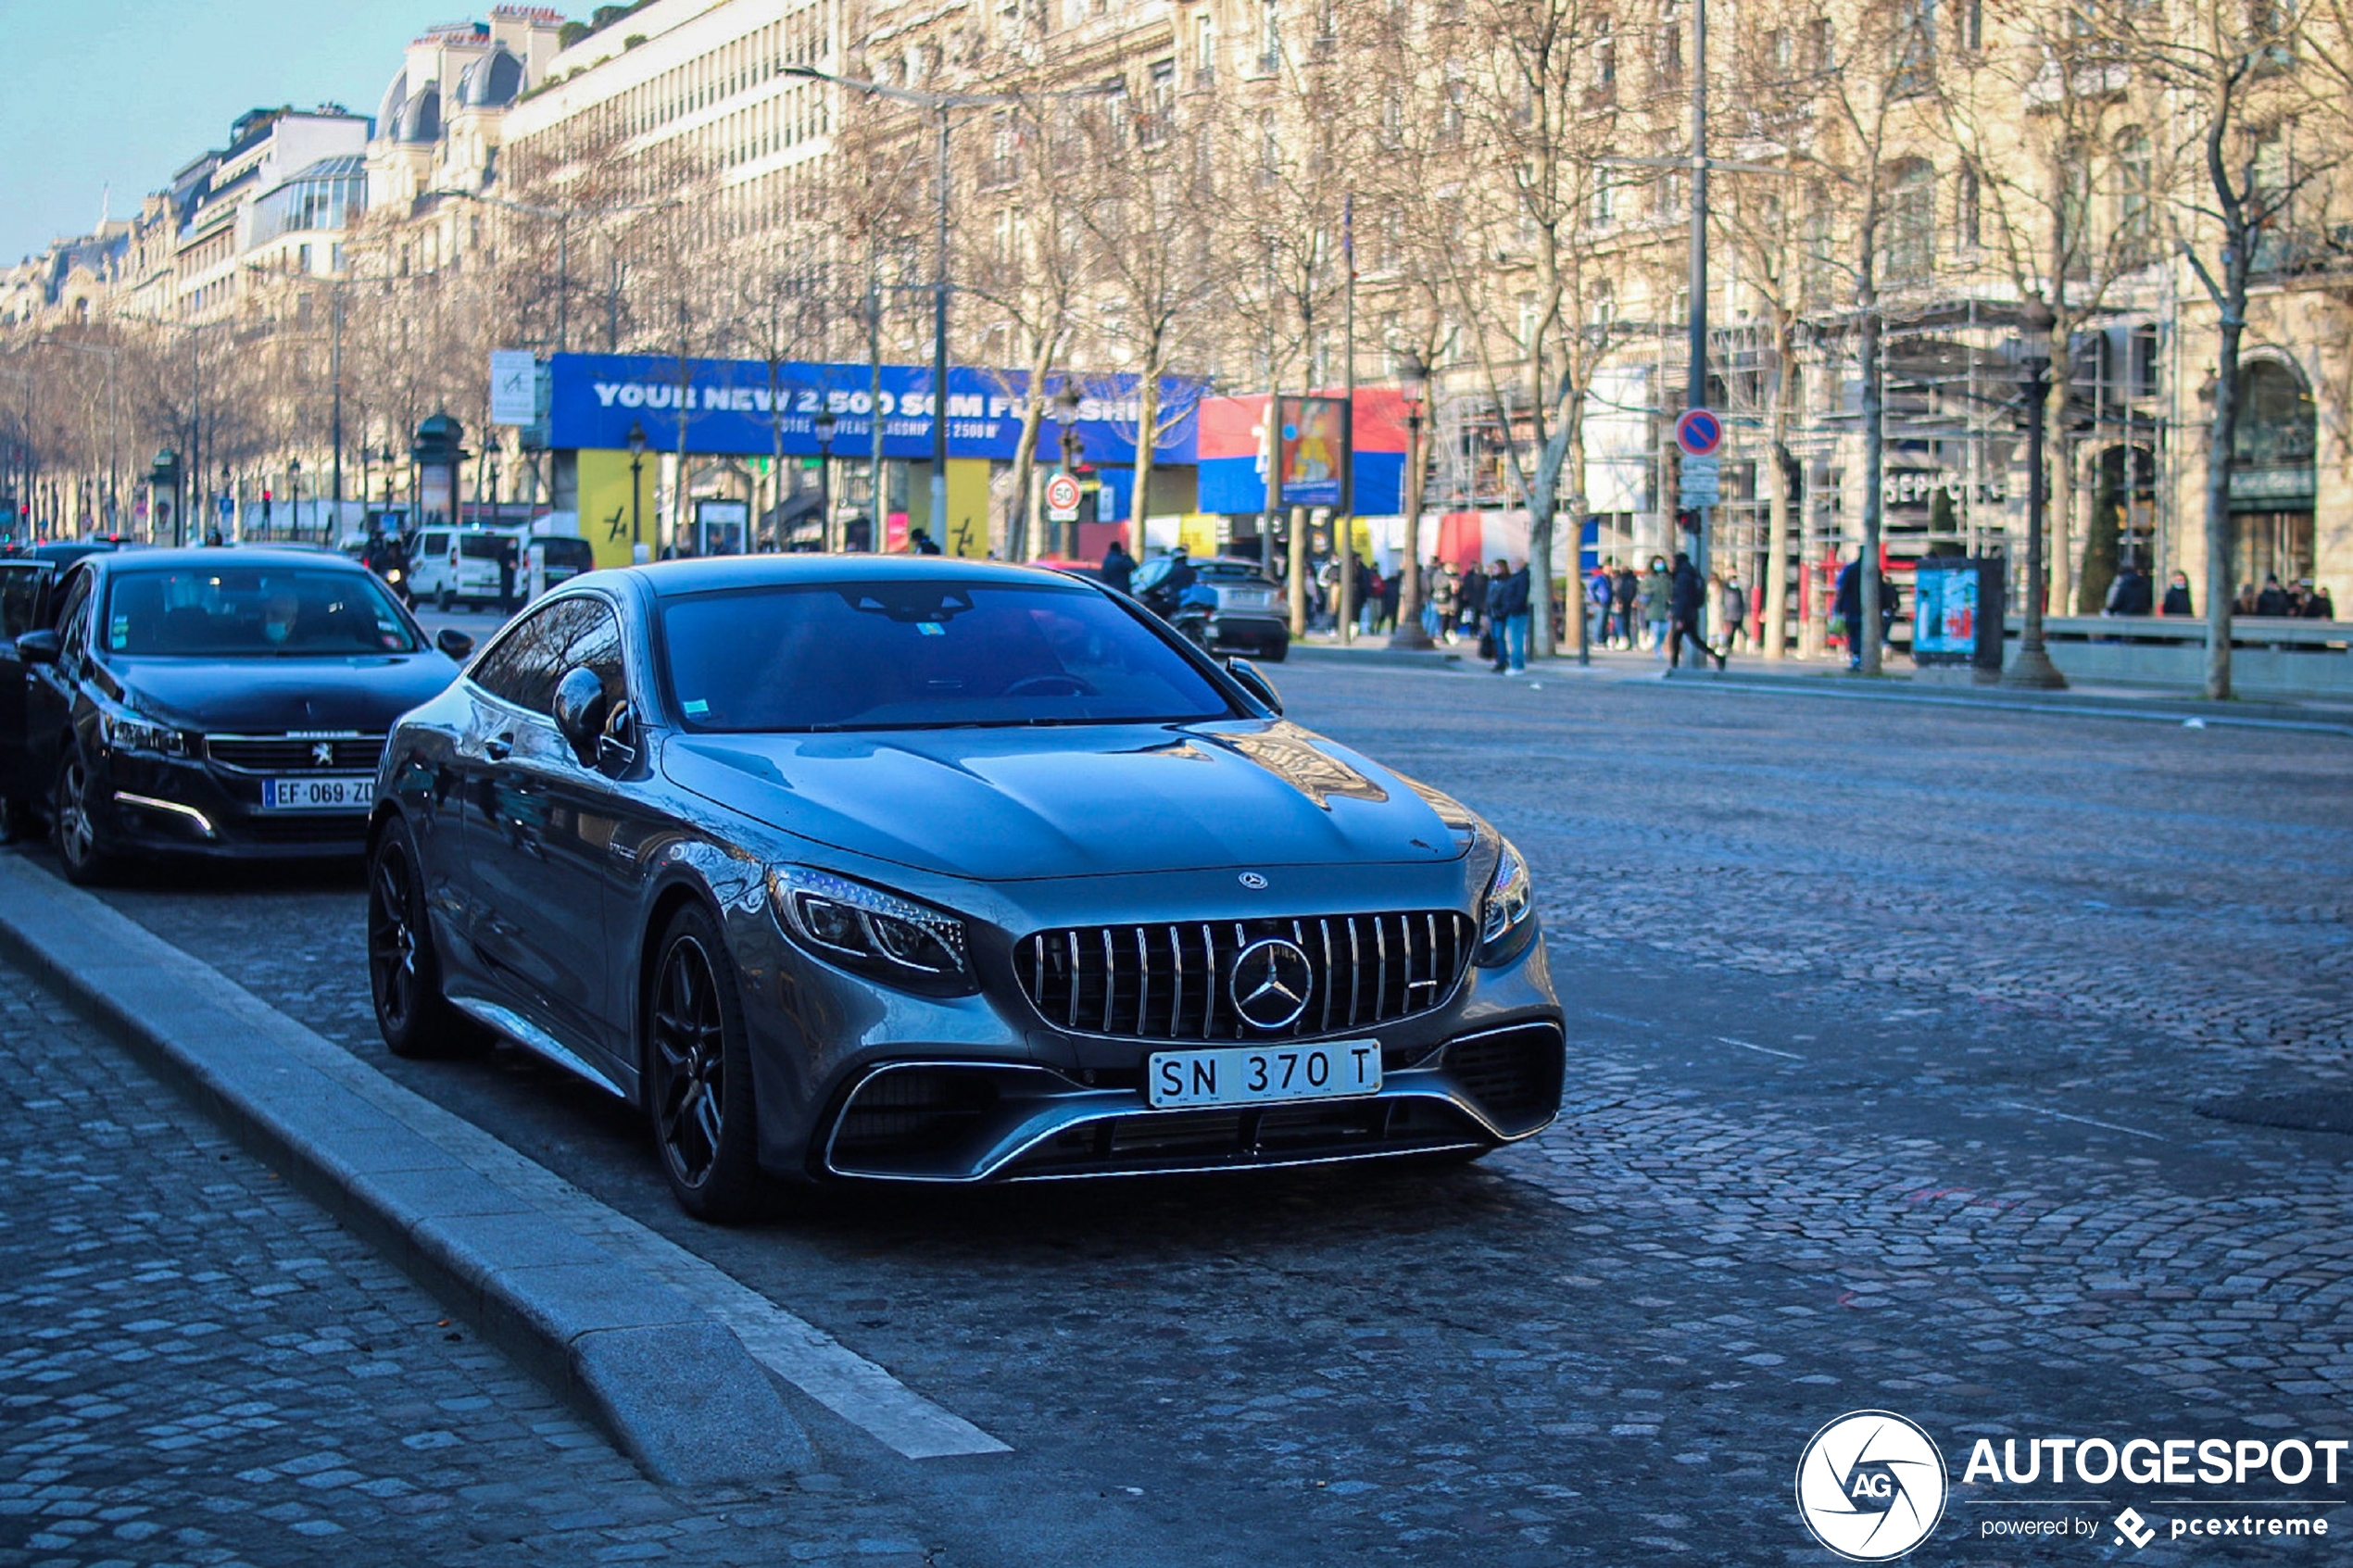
[(797, 1350), (1762, 1050), (2088, 1122)]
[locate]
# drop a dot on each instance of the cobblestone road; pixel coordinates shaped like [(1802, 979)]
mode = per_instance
[(1973, 1065)]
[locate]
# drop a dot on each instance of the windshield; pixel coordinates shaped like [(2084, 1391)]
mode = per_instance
[(568, 552), (916, 654), (229, 611)]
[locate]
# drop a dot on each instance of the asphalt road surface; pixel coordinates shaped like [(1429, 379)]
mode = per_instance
[(1978, 1066)]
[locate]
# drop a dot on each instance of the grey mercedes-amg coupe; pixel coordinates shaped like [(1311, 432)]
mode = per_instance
[(925, 869)]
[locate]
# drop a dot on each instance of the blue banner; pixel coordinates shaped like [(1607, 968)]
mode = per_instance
[(734, 407)]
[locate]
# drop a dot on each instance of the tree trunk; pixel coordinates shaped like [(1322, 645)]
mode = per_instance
[(1020, 542), (1147, 433), (1873, 463), (1573, 629), (1769, 630), (1295, 559), (2059, 463), (2222, 438)]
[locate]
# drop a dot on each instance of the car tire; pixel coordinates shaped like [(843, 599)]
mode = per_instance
[(403, 969), (697, 1077), (74, 828), (1276, 654), (447, 602)]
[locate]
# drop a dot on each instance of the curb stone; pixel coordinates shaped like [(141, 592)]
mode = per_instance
[(670, 1385)]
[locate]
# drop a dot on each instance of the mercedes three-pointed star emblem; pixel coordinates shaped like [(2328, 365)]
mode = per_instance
[(1271, 983)]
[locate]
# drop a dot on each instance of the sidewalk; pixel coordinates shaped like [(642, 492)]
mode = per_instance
[(200, 1365), (1831, 678)]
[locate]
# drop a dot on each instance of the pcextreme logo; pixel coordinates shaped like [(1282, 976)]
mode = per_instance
[(1870, 1486)]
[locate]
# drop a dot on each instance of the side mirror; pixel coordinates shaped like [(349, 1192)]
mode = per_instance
[(580, 710), (453, 642), (39, 648), (1256, 685)]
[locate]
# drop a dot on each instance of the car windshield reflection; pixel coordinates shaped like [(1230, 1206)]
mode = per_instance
[(251, 612), (922, 654)]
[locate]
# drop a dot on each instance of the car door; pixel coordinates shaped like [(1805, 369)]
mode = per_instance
[(49, 689), (538, 823), (19, 601)]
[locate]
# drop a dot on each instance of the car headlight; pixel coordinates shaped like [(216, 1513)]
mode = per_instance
[(878, 934), (122, 733), (1503, 922)]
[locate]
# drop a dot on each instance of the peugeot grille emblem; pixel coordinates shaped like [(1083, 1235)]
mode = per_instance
[(323, 753), (1271, 983), (1252, 881)]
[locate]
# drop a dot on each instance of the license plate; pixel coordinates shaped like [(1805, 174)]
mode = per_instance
[(355, 794), (1263, 1074)]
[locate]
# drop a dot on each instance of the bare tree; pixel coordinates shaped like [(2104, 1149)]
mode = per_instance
[(2241, 78)]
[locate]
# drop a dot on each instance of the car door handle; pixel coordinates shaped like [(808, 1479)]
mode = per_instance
[(499, 747)]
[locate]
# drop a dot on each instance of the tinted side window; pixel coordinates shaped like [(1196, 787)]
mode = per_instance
[(528, 662), (73, 615), (432, 544), (20, 596)]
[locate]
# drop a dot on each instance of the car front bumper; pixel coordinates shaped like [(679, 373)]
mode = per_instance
[(161, 806), (857, 1081)]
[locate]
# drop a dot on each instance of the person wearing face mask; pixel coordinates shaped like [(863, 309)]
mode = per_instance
[(279, 614)]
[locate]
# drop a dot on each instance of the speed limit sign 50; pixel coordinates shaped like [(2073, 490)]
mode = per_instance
[(1061, 499)]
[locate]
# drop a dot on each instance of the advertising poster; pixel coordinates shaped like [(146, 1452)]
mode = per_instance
[(1315, 445), (1945, 624)]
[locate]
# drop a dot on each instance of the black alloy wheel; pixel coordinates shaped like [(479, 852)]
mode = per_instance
[(699, 1073), (74, 826), (404, 973)]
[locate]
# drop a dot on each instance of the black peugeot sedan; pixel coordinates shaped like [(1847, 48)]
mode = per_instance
[(925, 869), (209, 703)]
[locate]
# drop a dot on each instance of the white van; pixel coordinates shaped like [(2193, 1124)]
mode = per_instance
[(454, 566)]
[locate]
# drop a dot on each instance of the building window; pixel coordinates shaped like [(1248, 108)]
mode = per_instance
[(1911, 221)]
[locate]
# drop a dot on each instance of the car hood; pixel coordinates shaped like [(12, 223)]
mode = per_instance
[(365, 692), (1007, 805)]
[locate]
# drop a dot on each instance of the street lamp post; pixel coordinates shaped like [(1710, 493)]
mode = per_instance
[(636, 491), (1413, 380), (2032, 667), (1066, 420), (823, 427), (294, 488)]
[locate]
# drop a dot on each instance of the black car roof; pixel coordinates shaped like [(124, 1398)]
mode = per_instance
[(183, 556), (672, 577)]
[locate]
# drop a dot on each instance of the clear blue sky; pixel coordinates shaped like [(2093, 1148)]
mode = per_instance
[(123, 92)]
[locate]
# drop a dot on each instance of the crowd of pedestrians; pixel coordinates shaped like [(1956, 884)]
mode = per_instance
[(2134, 593)]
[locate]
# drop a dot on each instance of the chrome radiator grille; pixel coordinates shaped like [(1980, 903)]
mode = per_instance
[(1172, 982)]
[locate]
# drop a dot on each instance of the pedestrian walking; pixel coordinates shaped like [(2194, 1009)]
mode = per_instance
[(1653, 597), (1508, 615), (1848, 606), (1471, 603), (2177, 596), (1445, 592), (2272, 600), (2128, 594), (1119, 567), (1687, 596), (1624, 587), (1735, 613), (1597, 596), (2317, 606)]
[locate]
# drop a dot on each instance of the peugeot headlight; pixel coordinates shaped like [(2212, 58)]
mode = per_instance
[(1503, 922), (877, 934), (123, 733)]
